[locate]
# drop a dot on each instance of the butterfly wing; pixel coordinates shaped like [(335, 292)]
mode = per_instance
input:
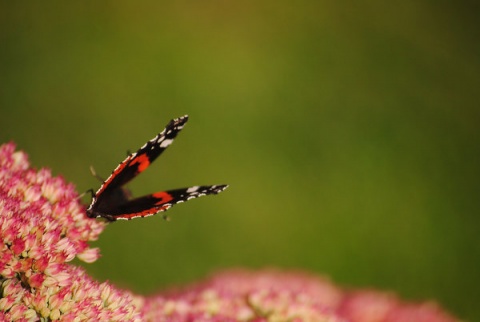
[(133, 165), (160, 201), (137, 162)]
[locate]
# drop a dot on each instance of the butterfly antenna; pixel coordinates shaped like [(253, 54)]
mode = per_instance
[(94, 173)]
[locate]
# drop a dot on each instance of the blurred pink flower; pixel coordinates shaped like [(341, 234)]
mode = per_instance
[(272, 295), (43, 227)]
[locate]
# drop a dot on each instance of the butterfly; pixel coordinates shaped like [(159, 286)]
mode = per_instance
[(113, 202)]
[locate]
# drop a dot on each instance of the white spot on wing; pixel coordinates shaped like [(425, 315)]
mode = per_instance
[(165, 143), (192, 189)]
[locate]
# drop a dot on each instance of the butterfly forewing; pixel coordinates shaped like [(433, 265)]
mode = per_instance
[(161, 201), (137, 162)]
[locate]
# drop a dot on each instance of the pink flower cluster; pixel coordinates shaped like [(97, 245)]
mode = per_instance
[(272, 295), (43, 227)]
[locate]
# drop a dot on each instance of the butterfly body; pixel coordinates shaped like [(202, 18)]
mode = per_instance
[(112, 201)]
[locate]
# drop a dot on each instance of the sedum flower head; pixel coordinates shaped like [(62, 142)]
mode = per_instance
[(271, 296), (43, 227)]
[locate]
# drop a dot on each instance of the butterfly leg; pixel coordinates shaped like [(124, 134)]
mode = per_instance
[(90, 191)]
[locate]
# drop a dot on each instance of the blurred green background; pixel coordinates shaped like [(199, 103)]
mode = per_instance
[(349, 133)]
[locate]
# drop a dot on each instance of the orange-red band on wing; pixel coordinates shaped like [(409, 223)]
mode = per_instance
[(142, 160), (163, 197)]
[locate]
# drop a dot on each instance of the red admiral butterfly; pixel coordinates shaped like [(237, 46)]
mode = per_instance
[(113, 202)]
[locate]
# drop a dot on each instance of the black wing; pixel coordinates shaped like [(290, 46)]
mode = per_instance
[(157, 202), (137, 162)]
